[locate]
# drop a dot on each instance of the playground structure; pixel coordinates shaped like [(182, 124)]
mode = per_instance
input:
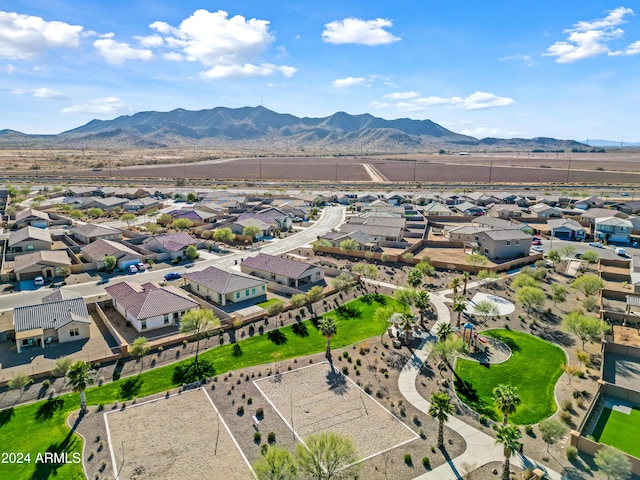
[(475, 342)]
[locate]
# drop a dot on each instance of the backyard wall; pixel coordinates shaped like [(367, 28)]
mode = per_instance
[(590, 447)]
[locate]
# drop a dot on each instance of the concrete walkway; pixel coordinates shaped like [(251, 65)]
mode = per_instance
[(481, 447)]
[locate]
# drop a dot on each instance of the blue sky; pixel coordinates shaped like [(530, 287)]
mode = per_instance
[(567, 69)]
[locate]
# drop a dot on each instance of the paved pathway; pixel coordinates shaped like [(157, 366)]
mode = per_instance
[(481, 447)]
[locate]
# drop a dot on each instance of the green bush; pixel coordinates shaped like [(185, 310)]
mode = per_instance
[(567, 405), (572, 453), (426, 463), (408, 460), (565, 417), (271, 438), (257, 437)]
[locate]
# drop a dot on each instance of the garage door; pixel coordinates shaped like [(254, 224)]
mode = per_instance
[(126, 263)]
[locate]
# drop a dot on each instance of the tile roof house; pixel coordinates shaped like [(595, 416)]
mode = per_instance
[(500, 245), (542, 210), (593, 214), (149, 306), (45, 263), (33, 218), (60, 320), (613, 229), (96, 251), (175, 244), (90, 232), (29, 239), (223, 287), (237, 227), (566, 229), (505, 210), (284, 271), (469, 209), (272, 216)]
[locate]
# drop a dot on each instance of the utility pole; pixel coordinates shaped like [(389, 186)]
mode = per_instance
[(490, 170), (568, 170), (414, 170)]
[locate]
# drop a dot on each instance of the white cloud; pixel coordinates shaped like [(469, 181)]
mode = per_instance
[(229, 47), (47, 93), (484, 132), (475, 101), (150, 41), (246, 70), (633, 49), (117, 52), (23, 36), (9, 69), (348, 82), (380, 105), (591, 38), (363, 32), (104, 107), (526, 59), (402, 95)]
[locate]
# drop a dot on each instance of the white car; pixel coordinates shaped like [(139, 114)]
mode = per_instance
[(132, 269), (537, 248), (38, 281)]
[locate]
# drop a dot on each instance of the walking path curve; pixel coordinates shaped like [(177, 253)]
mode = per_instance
[(481, 447)]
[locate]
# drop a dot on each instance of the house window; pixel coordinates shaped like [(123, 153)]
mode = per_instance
[(74, 332), (517, 242), (166, 318), (29, 248), (508, 242), (253, 291), (143, 324), (476, 238), (237, 294), (623, 229), (486, 250), (273, 276), (263, 288), (197, 287), (246, 293)]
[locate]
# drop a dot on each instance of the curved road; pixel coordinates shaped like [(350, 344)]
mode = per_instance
[(330, 218)]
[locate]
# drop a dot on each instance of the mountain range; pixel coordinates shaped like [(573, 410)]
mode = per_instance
[(258, 128)]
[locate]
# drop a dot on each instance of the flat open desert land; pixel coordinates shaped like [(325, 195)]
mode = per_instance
[(616, 167), (176, 437), (314, 399)]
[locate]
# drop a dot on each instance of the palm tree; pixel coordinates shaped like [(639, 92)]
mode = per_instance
[(465, 279), (328, 328), (423, 302), (507, 436), (80, 375), (440, 409), (506, 399), (459, 306), (443, 331), (455, 285)]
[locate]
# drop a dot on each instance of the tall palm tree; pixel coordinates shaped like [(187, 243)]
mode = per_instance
[(443, 331), (465, 279), (506, 399), (455, 285), (440, 409), (459, 305), (423, 302), (328, 328), (80, 375), (508, 436)]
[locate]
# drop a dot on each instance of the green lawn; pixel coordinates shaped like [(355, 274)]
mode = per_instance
[(40, 426), (619, 430), (533, 368), (271, 301)]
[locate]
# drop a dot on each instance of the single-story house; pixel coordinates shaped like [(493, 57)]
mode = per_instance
[(542, 210), (593, 214), (45, 263), (566, 229), (223, 287), (90, 232), (149, 306), (29, 239), (613, 229), (362, 240), (238, 227), (632, 206), (494, 222), (33, 218), (469, 209), (107, 203), (96, 251), (589, 202), (175, 244), (62, 321), (197, 216), (284, 271), (271, 216), (463, 233), (505, 210), (143, 203), (436, 209)]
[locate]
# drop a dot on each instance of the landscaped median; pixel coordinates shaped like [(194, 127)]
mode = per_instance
[(40, 427), (533, 368)]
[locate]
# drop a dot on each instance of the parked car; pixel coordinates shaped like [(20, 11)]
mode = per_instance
[(596, 244), (189, 265), (620, 251), (142, 267), (536, 241), (172, 276), (102, 281), (537, 248), (38, 281), (578, 255), (132, 269)]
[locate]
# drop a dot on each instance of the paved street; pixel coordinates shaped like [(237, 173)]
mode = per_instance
[(331, 218)]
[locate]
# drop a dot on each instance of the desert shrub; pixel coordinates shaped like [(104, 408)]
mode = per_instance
[(572, 453), (271, 438), (565, 417), (567, 405), (426, 463), (257, 437), (408, 460)]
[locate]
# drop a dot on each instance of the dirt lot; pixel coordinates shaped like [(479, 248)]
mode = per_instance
[(178, 437)]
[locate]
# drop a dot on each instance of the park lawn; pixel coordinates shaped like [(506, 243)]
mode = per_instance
[(271, 301), (34, 428), (619, 430), (533, 368)]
